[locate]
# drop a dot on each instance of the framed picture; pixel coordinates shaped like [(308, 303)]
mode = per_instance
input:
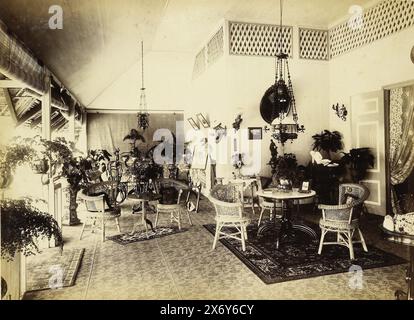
[(255, 133), (203, 121), (305, 187), (193, 124), (200, 157)]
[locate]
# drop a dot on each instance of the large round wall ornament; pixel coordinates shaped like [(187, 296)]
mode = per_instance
[(412, 54)]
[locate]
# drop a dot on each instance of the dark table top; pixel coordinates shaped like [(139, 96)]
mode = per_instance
[(147, 196)]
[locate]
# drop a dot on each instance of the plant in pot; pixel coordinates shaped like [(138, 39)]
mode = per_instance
[(11, 157), (286, 168), (22, 224), (74, 169), (328, 142), (358, 161), (133, 137)]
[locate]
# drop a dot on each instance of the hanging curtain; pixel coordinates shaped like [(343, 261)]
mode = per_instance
[(401, 138)]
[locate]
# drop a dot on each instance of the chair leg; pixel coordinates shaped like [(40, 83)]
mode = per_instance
[(260, 216), (243, 240), (156, 218), (245, 232), (103, 230), (198, 200), (216, 236), (364, 245), (321, 241), (117, 224), (83, 229), (179, 218), (351, 245)]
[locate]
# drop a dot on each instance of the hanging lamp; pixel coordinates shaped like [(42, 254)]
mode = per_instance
[(143, 115)]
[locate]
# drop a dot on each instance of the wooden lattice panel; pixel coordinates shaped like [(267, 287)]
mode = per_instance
[(384, 19), (215, 47), (199, 63), (253, 39), (313, 44)]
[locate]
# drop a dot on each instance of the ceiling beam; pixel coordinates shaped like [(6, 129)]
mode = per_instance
[(12, 84), (30, 114), (10, 105)]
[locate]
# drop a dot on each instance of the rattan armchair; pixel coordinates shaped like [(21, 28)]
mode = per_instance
[(270, 206), (343, 219), (173, 206), (98, 209), (227, 201)]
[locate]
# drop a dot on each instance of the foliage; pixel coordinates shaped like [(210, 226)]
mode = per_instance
[(21, 225), (359, 161), (11, 157), (328, 141), (286, 167)]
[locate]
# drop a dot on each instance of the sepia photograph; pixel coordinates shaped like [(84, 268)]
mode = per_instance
[(215, 157)]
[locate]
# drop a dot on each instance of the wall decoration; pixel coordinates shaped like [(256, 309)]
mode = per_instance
[(220, 132), (203, 120), (412, 54), (340, 111), (255, 133), (193, 124), (237, 122)]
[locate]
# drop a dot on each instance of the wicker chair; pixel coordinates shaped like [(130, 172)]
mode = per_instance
[(98, 209), (343, 219), (227, 200), (174, 209), (270, 206)]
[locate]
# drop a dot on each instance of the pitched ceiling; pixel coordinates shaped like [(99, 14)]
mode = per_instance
[(99, 44)]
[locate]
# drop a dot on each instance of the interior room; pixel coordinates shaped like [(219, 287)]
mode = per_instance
[(207, 150)]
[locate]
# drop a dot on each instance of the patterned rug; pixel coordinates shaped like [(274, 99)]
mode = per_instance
[(126, 238), (298, 258), (53, 269)]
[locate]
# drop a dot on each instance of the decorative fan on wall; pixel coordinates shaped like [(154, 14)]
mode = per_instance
[(412, 54)]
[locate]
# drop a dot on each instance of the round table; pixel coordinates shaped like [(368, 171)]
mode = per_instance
[(287, 228), (406, 240), (143, 199)]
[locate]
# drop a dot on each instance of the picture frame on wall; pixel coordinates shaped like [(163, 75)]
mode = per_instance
[(203, 120), (193, 124), (255, 133)]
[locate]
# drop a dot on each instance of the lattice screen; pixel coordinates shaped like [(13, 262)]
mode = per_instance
[(313, 44), (258, 39), (199, 63), (376, 23), (215, 47)]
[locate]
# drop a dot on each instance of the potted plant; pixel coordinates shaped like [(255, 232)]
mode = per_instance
[(358, 161), (21, 225), (328, 142), (133, 137), (64, 164), (11, 157), (286, 168)]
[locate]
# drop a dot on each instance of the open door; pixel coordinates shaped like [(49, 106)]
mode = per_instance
[(368, 131)]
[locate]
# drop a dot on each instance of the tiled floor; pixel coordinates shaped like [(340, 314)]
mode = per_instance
[(183, 266)]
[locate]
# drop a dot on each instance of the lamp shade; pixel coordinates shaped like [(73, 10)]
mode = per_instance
[(275, 101)]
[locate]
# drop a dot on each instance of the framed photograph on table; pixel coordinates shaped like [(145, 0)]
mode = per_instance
[(203, 121), (193, 124), (305, 187)]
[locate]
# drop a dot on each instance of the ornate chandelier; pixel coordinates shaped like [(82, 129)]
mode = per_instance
[(279, 100), (143, 115)]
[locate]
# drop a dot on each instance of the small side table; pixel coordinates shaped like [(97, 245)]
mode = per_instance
[(144, 198), (406, 240)]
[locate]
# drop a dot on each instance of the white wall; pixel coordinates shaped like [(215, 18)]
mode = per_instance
[(366, 69), (236, 84)]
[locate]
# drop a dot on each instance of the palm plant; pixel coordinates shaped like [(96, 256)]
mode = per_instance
[(328, 142), (133, 137)]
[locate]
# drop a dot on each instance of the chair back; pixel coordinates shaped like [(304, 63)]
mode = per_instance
[(351, 200), (227, 199), (177, 186), (93, 203)]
